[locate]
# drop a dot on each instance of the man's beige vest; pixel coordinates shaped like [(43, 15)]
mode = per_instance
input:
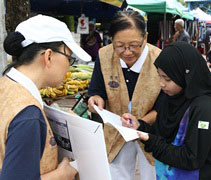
[(144, 96), (14, 98)]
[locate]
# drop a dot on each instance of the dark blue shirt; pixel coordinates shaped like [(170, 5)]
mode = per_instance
[(24, 145)]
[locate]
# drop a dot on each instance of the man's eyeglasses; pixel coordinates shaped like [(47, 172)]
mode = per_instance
[(132, 48), (70, 58)]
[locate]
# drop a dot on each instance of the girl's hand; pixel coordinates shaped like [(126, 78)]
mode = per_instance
[(143, 136), (128, 120)]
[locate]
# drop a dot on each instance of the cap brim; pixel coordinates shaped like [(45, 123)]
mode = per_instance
[(78, 51)]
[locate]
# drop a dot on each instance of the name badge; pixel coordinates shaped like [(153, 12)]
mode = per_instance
[(203, 125)]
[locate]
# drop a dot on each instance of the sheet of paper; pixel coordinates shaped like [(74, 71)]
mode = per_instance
[(109, 117), (115, 120), (74, 164), (87, 142)]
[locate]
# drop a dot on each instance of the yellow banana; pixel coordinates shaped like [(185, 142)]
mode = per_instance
[(42, 92), (47, 93), (60, 87), (70, 92), (72, 82), (65, 91), (53, 95), (58, 92), (68, 75), (71, 87)]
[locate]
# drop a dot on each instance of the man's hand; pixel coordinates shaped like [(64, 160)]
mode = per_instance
[(175, 36), (95, 100)]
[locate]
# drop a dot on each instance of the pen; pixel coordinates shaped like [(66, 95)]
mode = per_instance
[(130, 122)]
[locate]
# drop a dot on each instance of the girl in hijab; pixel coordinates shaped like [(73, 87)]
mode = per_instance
[(180, 138)]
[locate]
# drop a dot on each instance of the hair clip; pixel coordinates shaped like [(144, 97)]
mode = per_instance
[(187, 71)]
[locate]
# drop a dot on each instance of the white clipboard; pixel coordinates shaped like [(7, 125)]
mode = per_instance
[(87, 142)]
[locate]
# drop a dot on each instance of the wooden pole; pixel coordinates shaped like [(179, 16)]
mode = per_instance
[(3, 56), (164, 31)]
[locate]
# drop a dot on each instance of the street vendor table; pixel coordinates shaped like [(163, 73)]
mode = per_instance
[(65, 102)]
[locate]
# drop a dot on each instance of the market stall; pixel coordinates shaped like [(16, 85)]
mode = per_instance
[(201, 15), (203, 20)]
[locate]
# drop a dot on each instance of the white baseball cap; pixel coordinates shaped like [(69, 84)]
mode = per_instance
[(44, 29)]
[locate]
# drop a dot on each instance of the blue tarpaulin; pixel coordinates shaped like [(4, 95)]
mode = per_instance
[(91, 8)]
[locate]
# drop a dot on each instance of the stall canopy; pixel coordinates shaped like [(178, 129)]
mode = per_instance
[(156, 6), (91, 8), (186, 14), (201, 15)]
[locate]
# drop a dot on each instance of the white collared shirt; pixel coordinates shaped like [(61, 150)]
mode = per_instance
[(139, 63), (136, 68), (26, 83)]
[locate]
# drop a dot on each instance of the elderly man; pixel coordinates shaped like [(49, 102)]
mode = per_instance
[(181, 34)]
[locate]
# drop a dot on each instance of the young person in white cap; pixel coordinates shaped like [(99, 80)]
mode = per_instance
[(41, 48)]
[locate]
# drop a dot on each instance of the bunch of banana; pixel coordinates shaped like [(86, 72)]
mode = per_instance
[(80, 84), (69, 86), (42, 92), (60, 92), (48, 92), (83, 85), (73, 82)]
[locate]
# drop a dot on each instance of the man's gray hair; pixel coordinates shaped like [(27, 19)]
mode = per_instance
[(180, 21)]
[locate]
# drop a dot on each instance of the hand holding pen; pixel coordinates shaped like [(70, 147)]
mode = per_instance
[(130, 121)]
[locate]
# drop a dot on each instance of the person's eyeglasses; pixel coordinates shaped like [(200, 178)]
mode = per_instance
[(132, 48), (70, 58)]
